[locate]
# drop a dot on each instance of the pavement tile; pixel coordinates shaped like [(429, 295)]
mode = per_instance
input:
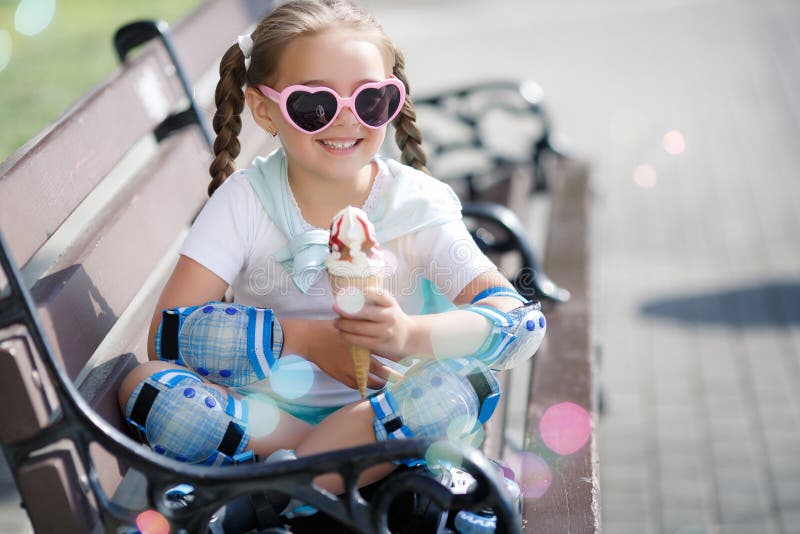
[(783, 447), (785, 461), (723, 399), (685, 526), (682, 492), (622, 453), (740, 509), (787, 490), (626, 506), (790, 520), (746, 528), (734, 452), (729, 424), (739, 488), (627, 527), (621, 427)]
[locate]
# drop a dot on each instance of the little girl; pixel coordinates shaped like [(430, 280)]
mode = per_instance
[(271, 370)]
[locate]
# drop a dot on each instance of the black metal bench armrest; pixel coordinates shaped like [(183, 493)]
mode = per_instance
[(530, 281), (135, 34)]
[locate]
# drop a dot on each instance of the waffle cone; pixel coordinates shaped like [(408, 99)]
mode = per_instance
[(361, 357)]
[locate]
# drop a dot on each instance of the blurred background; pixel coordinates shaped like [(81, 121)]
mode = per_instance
[(54, 51), (688, 113)]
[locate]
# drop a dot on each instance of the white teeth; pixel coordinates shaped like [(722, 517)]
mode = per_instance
[(340, 146)]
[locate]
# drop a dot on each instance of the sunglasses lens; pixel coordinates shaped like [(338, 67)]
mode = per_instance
[(376, 106), (311, 111)]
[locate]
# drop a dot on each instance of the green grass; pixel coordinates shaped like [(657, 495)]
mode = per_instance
[(49, 71)]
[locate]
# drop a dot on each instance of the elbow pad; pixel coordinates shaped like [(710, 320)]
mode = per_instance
[(228, 344), (515, 336)]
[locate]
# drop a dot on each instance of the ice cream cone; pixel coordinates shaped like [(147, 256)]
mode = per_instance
[(361, 357), (355, 263)]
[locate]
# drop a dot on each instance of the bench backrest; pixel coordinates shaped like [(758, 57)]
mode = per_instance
[(93, 211)]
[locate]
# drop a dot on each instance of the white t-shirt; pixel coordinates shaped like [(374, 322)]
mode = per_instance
[(234, 237)]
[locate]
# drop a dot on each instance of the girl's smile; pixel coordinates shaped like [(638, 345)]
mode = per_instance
[(340, 147)]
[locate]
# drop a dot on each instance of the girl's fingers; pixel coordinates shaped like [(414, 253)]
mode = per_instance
[(361, 341), (381, 370), (378, 296), (375, 382), (359, 327)]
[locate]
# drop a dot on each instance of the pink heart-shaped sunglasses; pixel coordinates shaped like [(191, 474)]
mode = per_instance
[(312, 109)]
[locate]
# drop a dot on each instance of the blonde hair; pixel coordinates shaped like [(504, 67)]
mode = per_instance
[(286, 23)]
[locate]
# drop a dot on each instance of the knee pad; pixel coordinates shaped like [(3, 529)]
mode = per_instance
[(436, 399), (515, 335), (229, 344), (182, 417)]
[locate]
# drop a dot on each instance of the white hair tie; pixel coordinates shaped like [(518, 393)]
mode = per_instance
[(246, 46)]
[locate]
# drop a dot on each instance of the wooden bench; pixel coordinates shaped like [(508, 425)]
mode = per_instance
[(93, 210)]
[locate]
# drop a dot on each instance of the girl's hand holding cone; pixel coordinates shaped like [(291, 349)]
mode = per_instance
[(380, 325)]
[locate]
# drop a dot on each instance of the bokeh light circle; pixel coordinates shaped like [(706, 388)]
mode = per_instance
[(291, 377), (442, 453), (466, 337), (152, 522), (565, 428), (674, 143), (263, 415), (531, 473), (464, 429), (5, 49), (645, 176), (531, 91), (33, 16), (350, 300)]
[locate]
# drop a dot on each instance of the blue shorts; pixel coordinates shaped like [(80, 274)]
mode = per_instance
[(312, 415)]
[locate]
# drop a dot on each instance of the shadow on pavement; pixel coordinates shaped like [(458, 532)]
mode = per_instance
[(772, 304)]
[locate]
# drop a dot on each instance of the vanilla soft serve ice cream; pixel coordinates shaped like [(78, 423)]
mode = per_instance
[(354, 249)]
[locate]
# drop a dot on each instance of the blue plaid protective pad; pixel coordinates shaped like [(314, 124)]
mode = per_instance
[(183, 418), (436, 399), (515, 336), (228, 344)]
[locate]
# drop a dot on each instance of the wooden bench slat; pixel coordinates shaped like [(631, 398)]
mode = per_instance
[(211, 29), (100, 391), (564, 367), (26, 386), (43, 182), (50, 487), (82, 300)]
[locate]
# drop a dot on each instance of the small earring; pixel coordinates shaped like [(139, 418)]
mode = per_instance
[(272, 132)]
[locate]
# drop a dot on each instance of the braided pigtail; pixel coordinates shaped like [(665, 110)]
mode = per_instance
[(407, 134), (229, 98)]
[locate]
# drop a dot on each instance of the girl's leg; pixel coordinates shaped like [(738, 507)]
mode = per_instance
[(268, 428), (348, 427)]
